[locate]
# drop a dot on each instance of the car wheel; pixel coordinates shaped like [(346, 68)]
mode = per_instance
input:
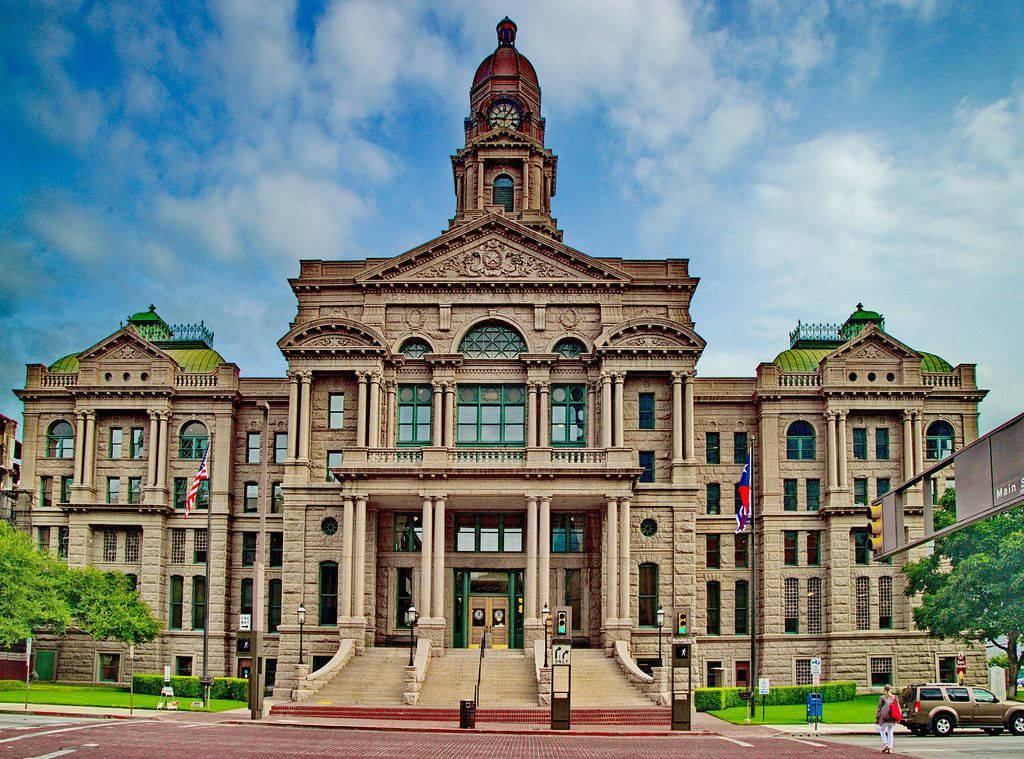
[(1016, 723), (993, 730), (942, 725)]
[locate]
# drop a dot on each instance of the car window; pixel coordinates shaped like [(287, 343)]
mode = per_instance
[(957, 694), (984, 696), (931, 694)]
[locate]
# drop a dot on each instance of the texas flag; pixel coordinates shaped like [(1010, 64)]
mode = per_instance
[(743, 487)]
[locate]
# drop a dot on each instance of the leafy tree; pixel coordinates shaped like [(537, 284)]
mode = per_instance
[(107, 607), (972, 587), (32, 588)]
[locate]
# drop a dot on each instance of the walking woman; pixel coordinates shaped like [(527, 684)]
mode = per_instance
[(886, 717)]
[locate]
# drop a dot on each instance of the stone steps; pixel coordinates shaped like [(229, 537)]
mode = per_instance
[(597, 681), (652, 715), (377, 678), (507, 680)]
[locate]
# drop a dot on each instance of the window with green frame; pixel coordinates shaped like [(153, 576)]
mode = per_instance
[(192, 441), (492, 340), (714, 608), (335, 411), (645, 421), (134, 489), (248, 549), (800, 442), (252, 497), (275, 557), (60, 441), (403, 596), (860, 443), (881, 443), (280, 447), (273, 605), (414, 414), (647, 601), (566, 532), (861, 542), (789, 495), (882, 486), (646, 461), (789, 548), (176, 601), (408, 533), (136, 443), (116, 443), (712, 446), (813, 548), (860, 491), (65, 488), (491, 415), (415, 347), (714, 498), (939, 440), (813, 494), (489, 532), (328, 607), (569, 347), (113, 489), (245, 607), (739, 448), (181, 486), (568, 415), (198, 602), (742, 607), (335, 459)]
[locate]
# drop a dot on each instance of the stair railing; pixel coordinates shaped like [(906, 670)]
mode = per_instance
[(484, 641)]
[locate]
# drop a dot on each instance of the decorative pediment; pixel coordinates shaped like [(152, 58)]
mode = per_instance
[(125, 345), (650, 335), (873, 345), (332, 336)]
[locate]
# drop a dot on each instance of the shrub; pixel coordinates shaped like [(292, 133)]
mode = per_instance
[(186, 686), (232, 688), (714, 699), (11, 685), (148, 684), (708, 699)]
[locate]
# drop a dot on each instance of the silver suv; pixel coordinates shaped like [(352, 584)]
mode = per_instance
[(941, 707)]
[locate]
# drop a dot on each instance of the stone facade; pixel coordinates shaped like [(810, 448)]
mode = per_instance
[(641, 477)]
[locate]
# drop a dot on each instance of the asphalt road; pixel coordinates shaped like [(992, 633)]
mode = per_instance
[(963, 744)]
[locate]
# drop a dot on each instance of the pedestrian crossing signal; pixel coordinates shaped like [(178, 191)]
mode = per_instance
[(681, 625), (561, 623)]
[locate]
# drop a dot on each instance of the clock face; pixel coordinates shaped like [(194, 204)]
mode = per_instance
[(503, 114)]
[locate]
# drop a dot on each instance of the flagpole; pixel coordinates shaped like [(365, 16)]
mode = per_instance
[(205, 681), (753, 581)]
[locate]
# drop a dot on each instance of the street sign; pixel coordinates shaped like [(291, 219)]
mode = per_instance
[(816, 665), (28, 651), (762, 686), (561, 653), (961, 662), (167, 673), (245, 622)]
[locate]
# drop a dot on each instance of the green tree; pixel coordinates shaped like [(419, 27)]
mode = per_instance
[(107, 607), (32, 588), (972, 587)]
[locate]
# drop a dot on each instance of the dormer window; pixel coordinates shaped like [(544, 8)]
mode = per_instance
[(504, 192)]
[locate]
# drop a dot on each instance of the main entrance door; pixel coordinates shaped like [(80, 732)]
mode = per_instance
[(488, 614), (488, 601)]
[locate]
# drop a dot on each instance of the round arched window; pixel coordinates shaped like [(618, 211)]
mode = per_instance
[(504, 192), (414, 347), (192, 441), (329, 526), (492, 340), (648, 527), (569, 347), (60, 441), (939, 440), (800, 441)]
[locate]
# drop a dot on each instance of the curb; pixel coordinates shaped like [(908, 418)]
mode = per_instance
[(52, 713), (474, 731)]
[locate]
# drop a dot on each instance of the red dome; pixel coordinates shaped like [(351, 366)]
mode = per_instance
[(506, 61)]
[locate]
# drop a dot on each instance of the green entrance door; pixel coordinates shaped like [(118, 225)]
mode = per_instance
[(496, 597), (44, 664)]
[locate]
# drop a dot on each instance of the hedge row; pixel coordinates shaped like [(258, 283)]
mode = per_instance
[(11, 684), (231, 688), (714, 699)]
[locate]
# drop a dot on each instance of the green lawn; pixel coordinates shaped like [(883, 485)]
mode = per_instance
[(100, 695), (860, 710)]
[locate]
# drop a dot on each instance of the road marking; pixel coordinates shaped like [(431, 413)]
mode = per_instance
[(733, 740), (112, 723), (806, 743), (197, 724), (52, 754)]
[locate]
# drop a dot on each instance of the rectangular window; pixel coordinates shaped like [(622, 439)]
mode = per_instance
[(176, 601), (863, 603), (414, 414), (713, 551), (273, 605), (712, 454), (814, 606), (569, 415), (65, 488), (336, 411), (246, 605), (183, 666), (646, 417), (109, 545), (132, 543), (403, 596), (489, 532), (885, 603), (328, 610), (861, 541), (714, 498), (813, 548), (408, 533), (789, 548), (491, 415), (741, 550), (63, 535), (113, 489), (803, 672), (791, 604), (574, 596), (252, 448), (134, 489), (739, 448), (252, 497), (737, 500), (881, 671), (200, 544), (860, 443), (714, 608), (46, 490), (276, 556), (280, 447), (137, 442), (789, 495), (116, 441), (882, 486), (947, 670), (881, 443), (647, 464), (647, 602), (110, 668), (276, 498), (860, 491), (742, 607), (198, 602), (181, 486), (566, 532), (248, 549), (813, 494), (177, 545), (334, 461), (43, 534)]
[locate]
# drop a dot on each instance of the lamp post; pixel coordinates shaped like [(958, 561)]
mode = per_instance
[(661, 623), (411, 618), (302, 620), (546, 612)]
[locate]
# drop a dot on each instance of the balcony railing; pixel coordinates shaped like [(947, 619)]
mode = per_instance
[(487, 458), (803, 379), (58, 380), (196, 380), (941, 380)]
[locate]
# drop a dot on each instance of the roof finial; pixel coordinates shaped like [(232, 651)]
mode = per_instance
[(506, 32), (152, 308), (860, 306)]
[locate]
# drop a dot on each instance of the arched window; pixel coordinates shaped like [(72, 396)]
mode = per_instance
[(192, 441), (570, 347), (800, 442), (492, 340), (414, 347), (328, 593), (647, 605), (60, 441), (504, 192), (939, 440)]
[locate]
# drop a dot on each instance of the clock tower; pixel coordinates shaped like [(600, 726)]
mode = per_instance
[(504, 167)]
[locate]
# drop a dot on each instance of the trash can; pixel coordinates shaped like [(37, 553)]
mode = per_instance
[(467, 714)]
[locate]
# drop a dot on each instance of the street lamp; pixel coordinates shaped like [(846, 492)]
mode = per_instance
[(302, 620), (661, 623), (411, 618), (546, 612)]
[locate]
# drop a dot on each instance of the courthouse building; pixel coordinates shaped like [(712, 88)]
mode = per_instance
[(482, 425)]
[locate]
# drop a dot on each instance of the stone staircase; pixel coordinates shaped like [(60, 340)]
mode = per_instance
[(507, 680), (598, 683), (377, 678)]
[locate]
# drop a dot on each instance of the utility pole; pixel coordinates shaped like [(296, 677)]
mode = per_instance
[(256, 672)]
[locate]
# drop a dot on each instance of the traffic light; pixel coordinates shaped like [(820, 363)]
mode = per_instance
[(681, 623), (875, 527), (561, 622)]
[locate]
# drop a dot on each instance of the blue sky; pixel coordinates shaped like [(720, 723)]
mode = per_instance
[(803, 155)]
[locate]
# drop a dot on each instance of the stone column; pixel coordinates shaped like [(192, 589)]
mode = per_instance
[(841, 443), (908, 447), (677, 417), (526, 185), (543, 427), (591, 416), (363, 378), (530, 601), (426, 554), (438, 560), (606, 409), (374, 418), (479, 170), (531, 414), (88, 468), (293, 413), (611, 524), (391, 422), (688, 447), (449, 413), (359, 561), (918, 443), (345, 570), (435, 414), (624, 559), (544, 539), (154, 447), (305, 415), (161, 462), (833, 459), (79, 448)]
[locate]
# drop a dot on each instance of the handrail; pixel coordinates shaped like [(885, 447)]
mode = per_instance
[(480, 668)]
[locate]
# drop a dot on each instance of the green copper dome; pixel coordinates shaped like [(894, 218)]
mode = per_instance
[(932, 363), (66, 365), (196, 359), (807, 360)]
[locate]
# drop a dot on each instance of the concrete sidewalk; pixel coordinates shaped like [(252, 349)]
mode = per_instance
[(824, 730), (116, 712)]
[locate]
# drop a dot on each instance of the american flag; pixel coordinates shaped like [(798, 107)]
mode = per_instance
[(202, 474)]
